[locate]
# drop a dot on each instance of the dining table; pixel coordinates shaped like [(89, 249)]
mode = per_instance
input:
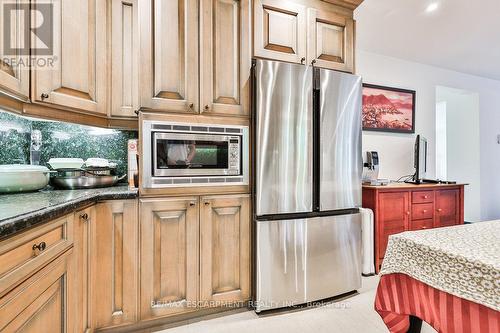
[(448, 277)]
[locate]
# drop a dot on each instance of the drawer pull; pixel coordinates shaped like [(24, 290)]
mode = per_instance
[(424, 211), (426, 197), (44, 96), (439, 210), (192, 204), (207, 203), (40, 247), (85, 217), (424, 227)]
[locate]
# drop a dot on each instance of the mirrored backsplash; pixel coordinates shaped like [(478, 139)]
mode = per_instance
[(61, 140)]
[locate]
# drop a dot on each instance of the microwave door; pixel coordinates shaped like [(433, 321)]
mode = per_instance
[(191, 155)]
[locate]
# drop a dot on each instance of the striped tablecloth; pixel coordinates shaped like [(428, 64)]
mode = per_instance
[(449, 277), (400, 296)]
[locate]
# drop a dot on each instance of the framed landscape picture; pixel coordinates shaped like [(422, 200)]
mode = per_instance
[(388, 109)]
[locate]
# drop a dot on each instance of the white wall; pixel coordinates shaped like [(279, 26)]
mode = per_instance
[(396, 150), (462, 141)]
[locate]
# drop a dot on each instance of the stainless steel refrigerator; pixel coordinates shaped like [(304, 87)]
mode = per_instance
[(307, 168)]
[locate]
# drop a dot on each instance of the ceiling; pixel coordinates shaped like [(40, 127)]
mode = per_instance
[(461, 35)]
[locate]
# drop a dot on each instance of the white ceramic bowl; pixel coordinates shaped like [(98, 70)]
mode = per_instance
[(66, 163), (23, 178)]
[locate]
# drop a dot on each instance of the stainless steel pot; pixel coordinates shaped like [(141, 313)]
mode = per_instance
[(82, 179)]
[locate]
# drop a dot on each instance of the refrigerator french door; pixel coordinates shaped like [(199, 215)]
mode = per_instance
[(307, 163)]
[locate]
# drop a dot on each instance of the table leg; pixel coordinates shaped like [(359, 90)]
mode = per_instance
[(415, 325)]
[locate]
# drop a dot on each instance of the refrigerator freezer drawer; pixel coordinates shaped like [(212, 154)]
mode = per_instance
[(300, 261)]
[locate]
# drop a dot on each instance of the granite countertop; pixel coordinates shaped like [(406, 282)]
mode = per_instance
[(24, 210)]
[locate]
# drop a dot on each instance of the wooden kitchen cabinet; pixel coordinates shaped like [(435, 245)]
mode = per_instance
[(39, 303), (330, 40), (115, 261), (78, 79), (169, 73), (169, 230), (404, 207), (124, 58), (225, 58), (280, 30), (304, 32), (225, 248), (14, 79)]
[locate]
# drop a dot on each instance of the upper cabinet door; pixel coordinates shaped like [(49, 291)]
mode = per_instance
[(124, 58), (78, 77), (330, 40), (169, 55), (280, 30), (225, 57), (14, 78)]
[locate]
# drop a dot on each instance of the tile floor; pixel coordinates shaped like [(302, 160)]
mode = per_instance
[(353, 314)]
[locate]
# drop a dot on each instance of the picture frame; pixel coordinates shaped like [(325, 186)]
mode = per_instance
[(388, 109)]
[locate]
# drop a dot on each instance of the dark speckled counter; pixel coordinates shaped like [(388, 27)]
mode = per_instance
[(24, 210)]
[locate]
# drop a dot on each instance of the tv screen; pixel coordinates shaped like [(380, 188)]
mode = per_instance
[(420, 158)]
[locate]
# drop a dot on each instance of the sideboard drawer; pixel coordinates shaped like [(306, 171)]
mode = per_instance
[(422, 196), (422, 224), (422, 211), (24, 254)]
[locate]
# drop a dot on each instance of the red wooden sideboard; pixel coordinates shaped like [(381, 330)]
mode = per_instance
[(401, 207)]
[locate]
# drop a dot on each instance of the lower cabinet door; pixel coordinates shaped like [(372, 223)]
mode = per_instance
[(225, 249), (169, 256), (79, 276), (39, 303), (447, 208), (114, 272)]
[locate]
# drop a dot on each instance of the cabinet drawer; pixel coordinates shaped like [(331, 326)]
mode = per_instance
[(422, 224), (422, 211), (25, 253), (422, 196), (38, 303)]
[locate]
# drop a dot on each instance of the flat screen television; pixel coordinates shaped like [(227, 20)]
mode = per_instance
[(420, 158)]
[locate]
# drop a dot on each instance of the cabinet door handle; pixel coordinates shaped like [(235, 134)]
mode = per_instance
[(425, 211), (207, 203), (85, 217), (207, 107), (44, 96), (313, 62), (302, 60), (191, 105), (407, 213), (40, 247), (439, 210), (192, 204)]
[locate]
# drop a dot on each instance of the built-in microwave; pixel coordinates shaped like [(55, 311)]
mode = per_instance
[(182, 154)]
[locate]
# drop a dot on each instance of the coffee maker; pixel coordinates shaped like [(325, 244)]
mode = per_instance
[(371, 170)]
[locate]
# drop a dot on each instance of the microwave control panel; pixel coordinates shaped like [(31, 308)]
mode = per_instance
[(234, 155)]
